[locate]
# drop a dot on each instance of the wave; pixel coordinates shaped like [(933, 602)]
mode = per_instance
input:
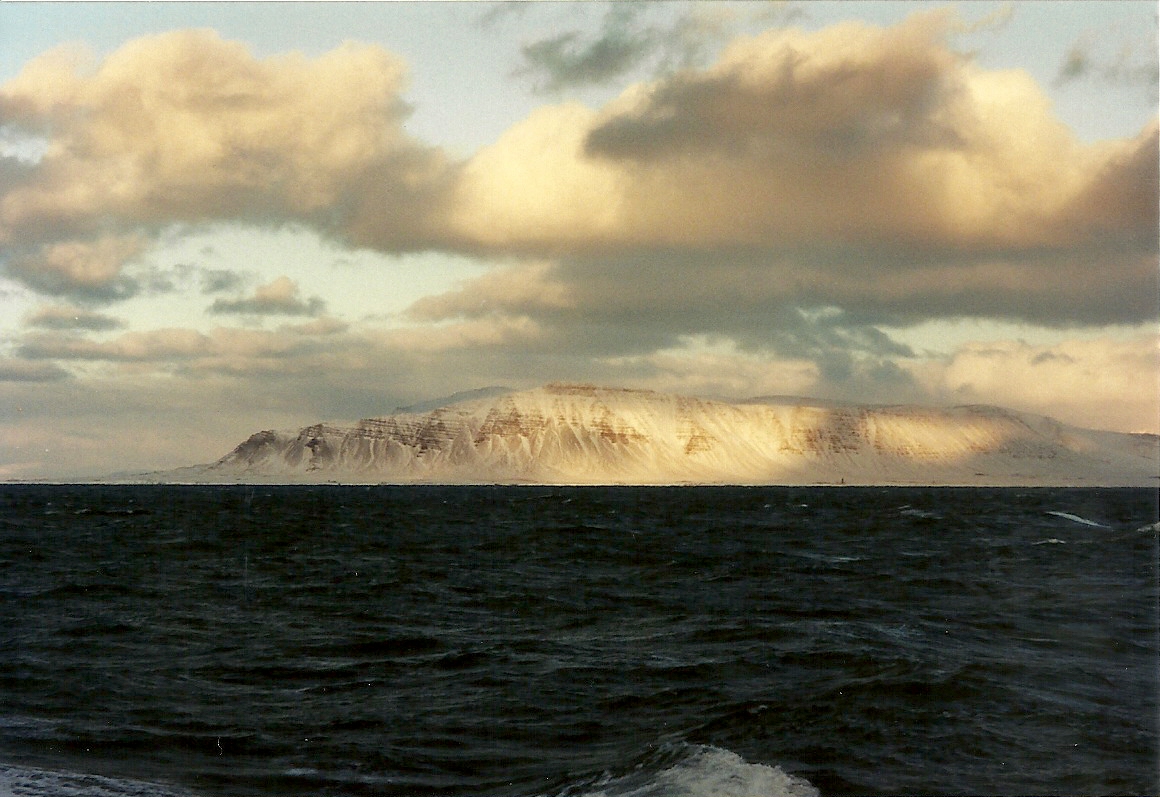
[(683, 770), (21, 781), (700, 771), (1077, 519)]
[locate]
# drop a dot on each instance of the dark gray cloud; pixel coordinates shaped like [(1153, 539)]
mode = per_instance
[(568, 59), (152, 280), (85, 269), (746, 292), (14, 369), (797, 110), (50, 283), (311, 307), (220, 280), (631, 38), (1049, 356), (13, 170)]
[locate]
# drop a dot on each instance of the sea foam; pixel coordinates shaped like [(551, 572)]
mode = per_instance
[(708, 771)]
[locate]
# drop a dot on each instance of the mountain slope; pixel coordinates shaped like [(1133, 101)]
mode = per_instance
[(580, 434)]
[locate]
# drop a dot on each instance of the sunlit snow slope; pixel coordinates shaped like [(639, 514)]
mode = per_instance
[(580, 434)]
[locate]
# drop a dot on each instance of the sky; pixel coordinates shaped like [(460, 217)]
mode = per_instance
[(217, 218)]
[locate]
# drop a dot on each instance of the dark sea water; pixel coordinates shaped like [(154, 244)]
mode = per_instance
[(626, 642)]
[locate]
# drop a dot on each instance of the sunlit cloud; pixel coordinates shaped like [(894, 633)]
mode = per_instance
[(703, 367), (82, 268), (187, 127), (871, 168), (1100, 383), (519, 290), (860, 166), (279, 297)]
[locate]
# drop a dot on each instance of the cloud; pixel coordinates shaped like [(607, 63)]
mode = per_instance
[(994, 21), (186, 127), (701, 366), (750, 226), (159, 345), (1100, 383), (627, 41), (498, 13), (873, 169), (319, 326), (563, 61), (321, 346), (169, 385), (138, 422), (81, 268), (14, 369), (1094, 57), (219, 280), (60, 316), (1103, 383), (853, 133), (256, 358), (515, 290), (514, 332), (279, 297)]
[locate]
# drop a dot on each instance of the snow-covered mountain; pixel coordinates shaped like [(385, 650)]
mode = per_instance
[(581, 434)]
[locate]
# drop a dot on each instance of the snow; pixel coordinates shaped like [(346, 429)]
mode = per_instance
[(582, 434)]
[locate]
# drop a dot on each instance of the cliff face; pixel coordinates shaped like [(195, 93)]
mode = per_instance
[(579, 434)]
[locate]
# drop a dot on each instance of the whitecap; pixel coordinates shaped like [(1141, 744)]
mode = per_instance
[(1078, 519), (1050, 541), (708, 772)]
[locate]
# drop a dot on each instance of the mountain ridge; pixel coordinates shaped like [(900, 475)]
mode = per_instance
[(566, 433)]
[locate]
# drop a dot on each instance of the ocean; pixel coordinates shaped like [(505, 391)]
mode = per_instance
[(577, 642)]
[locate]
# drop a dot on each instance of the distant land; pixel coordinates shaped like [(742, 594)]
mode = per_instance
[(584, 434)]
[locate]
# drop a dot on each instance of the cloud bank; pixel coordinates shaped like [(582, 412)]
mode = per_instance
[(873, 169), (868, 168)]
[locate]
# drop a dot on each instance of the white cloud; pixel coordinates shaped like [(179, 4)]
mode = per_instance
[(1102, 383), (702, 367)]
